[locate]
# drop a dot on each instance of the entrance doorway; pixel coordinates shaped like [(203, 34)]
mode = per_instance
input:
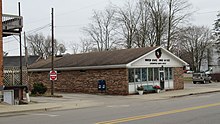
[(162, 79)]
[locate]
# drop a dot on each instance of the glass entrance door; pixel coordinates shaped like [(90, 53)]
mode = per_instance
[(162, 79)]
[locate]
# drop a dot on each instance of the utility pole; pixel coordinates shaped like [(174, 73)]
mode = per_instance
[(19, 10), (52, 57), (26, 52)]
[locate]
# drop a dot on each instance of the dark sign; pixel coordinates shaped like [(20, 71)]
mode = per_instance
[(158, 53)]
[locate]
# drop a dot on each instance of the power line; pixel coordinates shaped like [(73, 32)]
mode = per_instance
[(65, 13), (82, 8), (207, 12), (18, 40), (63, 26), (38, 29), (30, 32)]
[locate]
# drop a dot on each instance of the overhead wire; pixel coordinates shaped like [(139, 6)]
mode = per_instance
[(207, 12), (28, 33), (65, 13), (63, 26)]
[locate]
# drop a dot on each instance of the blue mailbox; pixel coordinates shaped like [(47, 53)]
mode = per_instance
[(101, 85)]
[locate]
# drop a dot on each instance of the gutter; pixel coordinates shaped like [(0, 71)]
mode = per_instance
[(79, 68)]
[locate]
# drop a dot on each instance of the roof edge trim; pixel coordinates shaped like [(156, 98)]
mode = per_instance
[(80, 68)]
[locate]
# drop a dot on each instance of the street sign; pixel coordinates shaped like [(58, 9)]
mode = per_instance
[(53, 75)]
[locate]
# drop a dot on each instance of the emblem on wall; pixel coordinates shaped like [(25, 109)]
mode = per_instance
[(158, 53)]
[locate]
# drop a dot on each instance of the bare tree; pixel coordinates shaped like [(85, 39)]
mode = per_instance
[(74, 47), (39, 45), (128, 18), (102, 29), (178, 12), (142, 28), (139, 23), (158, 16), (195, 41)]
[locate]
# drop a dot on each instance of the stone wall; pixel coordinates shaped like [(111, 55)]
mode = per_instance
[(85, 81), (1, 47), (178, 78)]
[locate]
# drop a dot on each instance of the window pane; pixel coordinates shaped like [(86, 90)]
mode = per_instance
[(150, 74), (156, 74), (137, 75), (166, 74), (144, 74), (131, 75), (170, 73)]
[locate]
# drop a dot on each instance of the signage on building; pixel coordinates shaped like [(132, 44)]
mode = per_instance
[(158, 60), (53, 75), (158, 53)]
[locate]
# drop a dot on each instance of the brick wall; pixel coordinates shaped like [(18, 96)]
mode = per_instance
[(86, 81), (1, 47), (178, 78)]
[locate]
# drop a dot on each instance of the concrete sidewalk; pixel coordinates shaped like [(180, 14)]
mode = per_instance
[(76, 101)]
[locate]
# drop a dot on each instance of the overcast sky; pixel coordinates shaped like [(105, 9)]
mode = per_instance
[(72, 15)]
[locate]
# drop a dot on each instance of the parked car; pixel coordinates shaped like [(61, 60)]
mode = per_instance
[(201, 77)]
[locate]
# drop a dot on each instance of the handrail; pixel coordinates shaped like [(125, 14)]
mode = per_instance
[(11, 24), (12, 20)]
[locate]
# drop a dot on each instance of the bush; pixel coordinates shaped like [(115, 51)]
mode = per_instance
[(140, 88), (38, 88)]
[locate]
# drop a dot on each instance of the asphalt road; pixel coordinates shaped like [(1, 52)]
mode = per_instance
[(200, 109)]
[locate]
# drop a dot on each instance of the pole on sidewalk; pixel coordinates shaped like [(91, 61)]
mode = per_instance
[(52, 57), (19, 11)]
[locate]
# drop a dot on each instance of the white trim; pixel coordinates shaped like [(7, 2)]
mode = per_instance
[(175, 56), (129, 64), (183, 62)]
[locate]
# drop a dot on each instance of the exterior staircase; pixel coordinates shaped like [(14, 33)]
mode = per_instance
[(11, 24)]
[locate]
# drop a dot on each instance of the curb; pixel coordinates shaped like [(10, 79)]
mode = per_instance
[(14, 113), (59, 107), (190, 94)]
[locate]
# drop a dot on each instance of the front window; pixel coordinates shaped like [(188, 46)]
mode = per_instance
[(137, 75), (131, 75), (144, 74), (150, 74), (156, 74)]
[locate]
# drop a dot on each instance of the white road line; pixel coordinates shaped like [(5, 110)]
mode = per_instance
[(118, 106), (49, 115)]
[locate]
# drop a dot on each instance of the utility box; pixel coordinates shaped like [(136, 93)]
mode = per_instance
[(101, 85), (17, 94), (8, 96)]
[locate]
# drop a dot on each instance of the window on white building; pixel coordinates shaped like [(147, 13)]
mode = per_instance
[(144, 74), (137, 75), (150, 74), (131, 75)]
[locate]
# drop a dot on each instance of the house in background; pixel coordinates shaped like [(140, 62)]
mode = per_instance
[(214, 59), (121, 71)]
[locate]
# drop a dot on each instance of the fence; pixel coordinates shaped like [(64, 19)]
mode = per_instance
[(12, 76)]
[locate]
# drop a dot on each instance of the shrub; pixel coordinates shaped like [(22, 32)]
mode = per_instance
[(140, 88), (38, 88)]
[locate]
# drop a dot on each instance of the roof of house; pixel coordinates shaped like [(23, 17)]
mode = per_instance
[(9, 61), (117, 57)]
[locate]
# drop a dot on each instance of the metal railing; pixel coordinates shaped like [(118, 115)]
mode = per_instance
[(11, 24)]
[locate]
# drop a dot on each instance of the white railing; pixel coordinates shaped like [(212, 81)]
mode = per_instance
[(11, 24)]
